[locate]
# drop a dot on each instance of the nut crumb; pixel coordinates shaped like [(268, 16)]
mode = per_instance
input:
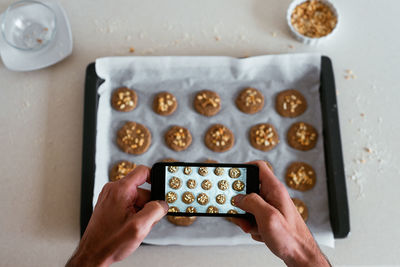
[(131, 49)]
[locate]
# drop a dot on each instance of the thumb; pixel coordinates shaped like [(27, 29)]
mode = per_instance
[(150, 214), (253, 203)]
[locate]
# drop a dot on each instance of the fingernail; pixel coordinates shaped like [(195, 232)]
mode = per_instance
[(163, 204), (237, 198)]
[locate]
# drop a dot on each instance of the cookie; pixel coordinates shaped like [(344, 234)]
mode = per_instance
[(223, 185), (210, 161), (133, 138), (202, 199), (219, 171), (219, 138), (120, 170), (191, 209), (300, 176), (178, 138), (164, 103), (290, 103), (181, 220), (234, 173), (187, 170), (203, 171), (238, 185), (206, 184), (232, 211), (173, 209), (250, 101), (173, 169), (212, 209), (124, 99), (175, 183), (191, 184), (171, 197), (301, 208), (302, 136), (169, 160), (263, 136), (221, 199), (187, 197), (207, 103)]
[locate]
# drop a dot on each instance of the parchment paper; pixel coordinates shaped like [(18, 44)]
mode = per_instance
[(184, 76)]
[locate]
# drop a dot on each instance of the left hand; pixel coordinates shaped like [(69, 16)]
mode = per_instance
[(122, 218)]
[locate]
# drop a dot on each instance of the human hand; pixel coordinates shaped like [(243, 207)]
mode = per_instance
[(122, 218), (278, 223)]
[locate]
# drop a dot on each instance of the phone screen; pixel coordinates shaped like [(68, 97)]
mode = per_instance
[(204, 189)]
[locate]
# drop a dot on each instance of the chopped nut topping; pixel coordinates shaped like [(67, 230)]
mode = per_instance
[(171, 197), (187, 170), (219, 171), (293, 103), (212, 209), (203, 171), (187, 197), (220, 136), (191, 210), (301, 177), (313, 19), (175, 182), (191, 183), (202, 199), (304, 136), (172, 169), (265, 135), (231, 211), (122, 169), (234, 173), (220, 198), (238, 185), (252, 97), (165, 102), (206, 185), (173, 209), (208, 101), (223, 185)]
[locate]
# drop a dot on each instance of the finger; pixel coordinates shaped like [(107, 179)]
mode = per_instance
[(150, 214), (254, 204), (272, 190), (257, 238), (143, 196), (245, 225), (136, 177)]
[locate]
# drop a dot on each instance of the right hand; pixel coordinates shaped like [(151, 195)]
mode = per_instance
[(278, 223)]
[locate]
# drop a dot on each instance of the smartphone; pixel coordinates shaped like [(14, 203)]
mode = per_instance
[(203, 189)]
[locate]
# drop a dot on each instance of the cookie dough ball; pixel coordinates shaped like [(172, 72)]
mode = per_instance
[(133, 138), (221, 199), (178, 138), (191, 184), (219, 138), (171, 197), (238, 185), (300, 176), (212, 209), (191, 209), (173, 169), (234, 173), (202, 198), (206, 184), (223, 185), (301, 208), (207, 103), (120, 170), (124, 99), (290, 103), (187, 198), (250, 101), (164, 103), (175, 183), (219, 171), (187, 170), (302, 136), (232, 211), (181, 220), (263, 136), (203, 171)]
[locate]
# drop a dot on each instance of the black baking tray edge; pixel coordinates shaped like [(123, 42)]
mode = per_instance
[(337, 193)]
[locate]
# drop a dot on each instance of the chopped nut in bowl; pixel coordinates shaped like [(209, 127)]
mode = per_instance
[(312, 21)]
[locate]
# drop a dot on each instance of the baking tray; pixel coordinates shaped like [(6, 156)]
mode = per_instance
[(337, 193)]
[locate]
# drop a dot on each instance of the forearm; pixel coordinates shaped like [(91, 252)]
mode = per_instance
[(307, 255)]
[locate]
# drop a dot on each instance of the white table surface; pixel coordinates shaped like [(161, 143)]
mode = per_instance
[(41, 121)]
